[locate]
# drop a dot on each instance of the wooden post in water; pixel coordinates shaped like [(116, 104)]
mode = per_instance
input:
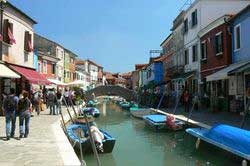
[(67, 108), (92, 141)]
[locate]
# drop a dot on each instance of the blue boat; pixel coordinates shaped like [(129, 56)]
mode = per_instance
[(159, 122), (229, 138), (73, 131), (156, 121), (91, 110), (125, 105)]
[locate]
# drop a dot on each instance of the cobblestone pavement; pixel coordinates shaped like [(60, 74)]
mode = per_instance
[(40, 148), (211, 118)]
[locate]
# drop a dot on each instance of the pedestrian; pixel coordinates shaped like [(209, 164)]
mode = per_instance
[(37, 102), (24, 109), (52, 100), (59, 97), (186, 98), (66, 95), (9, 106)]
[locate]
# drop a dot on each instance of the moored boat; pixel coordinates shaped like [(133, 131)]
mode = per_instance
[(78, 136), (229, 138), (161, 122), (91, 110), (140, 112)]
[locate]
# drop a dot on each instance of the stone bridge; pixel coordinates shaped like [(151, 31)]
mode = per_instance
[(112, 90)]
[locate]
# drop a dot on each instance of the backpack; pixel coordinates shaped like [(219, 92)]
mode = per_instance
[(10, 104), (23, 105)]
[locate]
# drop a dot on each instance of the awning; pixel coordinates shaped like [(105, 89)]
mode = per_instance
[(223, 73), (31, 75), (57, 82), (244, 68), (7, 73), (77, 82), (184, 75)]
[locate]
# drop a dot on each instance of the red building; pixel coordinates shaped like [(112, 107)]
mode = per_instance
[(215, 54)]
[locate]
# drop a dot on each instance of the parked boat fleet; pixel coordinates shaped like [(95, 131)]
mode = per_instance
[(229, 138)]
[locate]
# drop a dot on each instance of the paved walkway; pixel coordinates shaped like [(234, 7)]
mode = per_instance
[(210, 118), (46, 145)]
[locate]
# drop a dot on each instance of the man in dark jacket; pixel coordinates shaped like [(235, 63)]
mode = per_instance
[(9, 106)]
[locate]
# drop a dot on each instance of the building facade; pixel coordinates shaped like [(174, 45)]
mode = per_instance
[(196, 18)]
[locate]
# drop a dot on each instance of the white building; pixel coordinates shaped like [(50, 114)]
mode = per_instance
[(18, 47), (198, 16)]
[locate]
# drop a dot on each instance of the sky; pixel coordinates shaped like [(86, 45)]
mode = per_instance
[(116, 34)]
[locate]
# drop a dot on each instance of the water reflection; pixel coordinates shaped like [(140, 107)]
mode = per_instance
[(139, 145)]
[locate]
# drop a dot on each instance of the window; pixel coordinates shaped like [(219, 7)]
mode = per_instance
[(194, 18), (39, 67), (194, 53), (185, 25), (237, 37), (28, 42), (53, 68), (8, 32), (45, 67), (203, 50), (218, 43), (71, 60), (186, 54), (68, 74), (26, 57)]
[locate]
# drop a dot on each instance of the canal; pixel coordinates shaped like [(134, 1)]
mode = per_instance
[(138, 145)]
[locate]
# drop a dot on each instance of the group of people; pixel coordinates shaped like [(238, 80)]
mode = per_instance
[(14, 107)]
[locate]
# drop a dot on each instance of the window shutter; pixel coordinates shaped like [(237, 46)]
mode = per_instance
[(26, 40), (11, 29), (5, 31), (222, 42)]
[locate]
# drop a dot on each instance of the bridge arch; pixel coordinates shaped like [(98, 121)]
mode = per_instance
[(112, 90)]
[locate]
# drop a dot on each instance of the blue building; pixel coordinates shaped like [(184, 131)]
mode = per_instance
[(241, 35), (239, 76)]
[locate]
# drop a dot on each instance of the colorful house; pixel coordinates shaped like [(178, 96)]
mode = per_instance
[(215, 42), (240, 77)]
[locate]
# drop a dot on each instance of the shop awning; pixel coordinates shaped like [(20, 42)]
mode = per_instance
[(77, 82), (184, 75), (57, 82), (244, 68), (223, 73), (7, 73), (31, 75)]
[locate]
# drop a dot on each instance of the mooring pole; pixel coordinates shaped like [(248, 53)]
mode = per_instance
[(67, 108), (92, 141)]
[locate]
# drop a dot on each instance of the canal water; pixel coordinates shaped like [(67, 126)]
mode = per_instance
[(138, 145)]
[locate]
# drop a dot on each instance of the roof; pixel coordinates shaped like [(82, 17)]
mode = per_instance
[(240, 13), (220, 21), (168, 38), (140, 66), (93, 63), (162, 58), (21, 12), (80, 62)]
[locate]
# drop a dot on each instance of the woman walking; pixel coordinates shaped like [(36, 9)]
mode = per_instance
[(24, 107)]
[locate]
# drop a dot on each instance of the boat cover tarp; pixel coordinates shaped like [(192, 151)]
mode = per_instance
[(230, 138), (156, 118), (71, 128)]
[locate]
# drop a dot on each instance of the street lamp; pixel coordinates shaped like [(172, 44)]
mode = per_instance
[(1, 27)]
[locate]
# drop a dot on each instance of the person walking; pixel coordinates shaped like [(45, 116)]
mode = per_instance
[(52, 100), (186, 97), (66, 95), (37, 102), (24, 107), (59, 97), (9, 106)]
